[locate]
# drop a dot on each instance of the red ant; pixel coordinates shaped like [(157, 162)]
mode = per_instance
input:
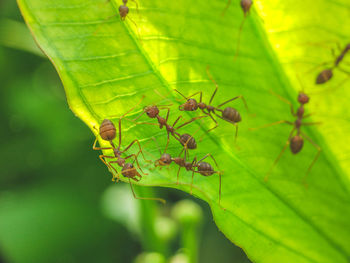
[(124, 10), (326, 74), (245, 6), (228, 114), (107, 132), (185, 139), (295, 141), (203, 168), (123, 13)]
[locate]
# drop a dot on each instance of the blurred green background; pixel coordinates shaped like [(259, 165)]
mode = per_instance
[(57, 200)]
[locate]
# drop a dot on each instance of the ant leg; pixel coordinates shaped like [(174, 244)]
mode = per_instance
[(167, 142), (100, 148), (239, 36), (135, 156), (216, 85), (188, 122), (180, 94), (140, 149), (145, 198), (285, 101), (121, 117), (137, 6), (226, 7), (311, 123), (111, 166), (138, 29), (279, 156), (318, 148), (178, 172), (216, 125), (176, 121), (192, 182), (237, 97), (271, 124)]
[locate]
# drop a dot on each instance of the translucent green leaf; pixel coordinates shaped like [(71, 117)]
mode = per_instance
[(106, 68)]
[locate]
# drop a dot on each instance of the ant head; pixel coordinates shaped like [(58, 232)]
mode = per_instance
[(165, 159), (125, 2), (189, 105), (296, 144), (246, 4), (151, 111), (303, 98)]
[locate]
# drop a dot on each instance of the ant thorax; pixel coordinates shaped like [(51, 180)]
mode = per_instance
[(179, 161), (300, 112), (162, 122), (202, 105)]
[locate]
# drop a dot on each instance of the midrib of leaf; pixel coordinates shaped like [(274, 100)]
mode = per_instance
[(165, 83)]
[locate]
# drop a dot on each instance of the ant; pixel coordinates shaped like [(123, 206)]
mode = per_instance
[(228, 114), (124, 10), (107, 132), (203, 168), (123, 13), (245, 6), (185, 139), (296, 137), (326, 74)]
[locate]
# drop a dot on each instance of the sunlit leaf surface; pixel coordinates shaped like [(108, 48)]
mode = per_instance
[(106, 68)]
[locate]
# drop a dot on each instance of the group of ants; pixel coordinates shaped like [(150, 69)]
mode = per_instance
[(108, 132)]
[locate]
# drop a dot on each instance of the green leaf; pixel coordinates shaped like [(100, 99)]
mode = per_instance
[(105, 69)]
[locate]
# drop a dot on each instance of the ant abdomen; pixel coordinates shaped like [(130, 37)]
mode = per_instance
[(231, 114), (189, 140), (205, 169), (296, 144), (246, 4), (165, 159), (190, 105), (324, 76), (107, 130), (123, 11)]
